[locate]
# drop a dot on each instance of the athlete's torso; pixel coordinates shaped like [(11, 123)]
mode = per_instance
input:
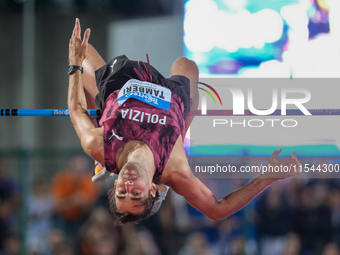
[(137, 120)]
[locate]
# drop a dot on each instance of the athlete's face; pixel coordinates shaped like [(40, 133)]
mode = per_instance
[(132, 189)]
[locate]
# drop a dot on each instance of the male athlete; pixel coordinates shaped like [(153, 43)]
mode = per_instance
[(141, 131)]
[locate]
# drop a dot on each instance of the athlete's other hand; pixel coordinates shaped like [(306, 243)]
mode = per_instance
[(282, 169), (77, 47)]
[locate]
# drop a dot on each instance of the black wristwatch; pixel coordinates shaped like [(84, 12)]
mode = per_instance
[(72, 68)]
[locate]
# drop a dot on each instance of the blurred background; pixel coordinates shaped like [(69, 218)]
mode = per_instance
[(48, 204)]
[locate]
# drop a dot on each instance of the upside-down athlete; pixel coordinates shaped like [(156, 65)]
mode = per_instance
[(141, 131)]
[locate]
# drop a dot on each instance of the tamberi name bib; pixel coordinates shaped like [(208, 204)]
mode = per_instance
[(147, 92)]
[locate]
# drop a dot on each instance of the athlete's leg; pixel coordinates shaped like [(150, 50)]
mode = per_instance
[(188, 68), (91, 63)]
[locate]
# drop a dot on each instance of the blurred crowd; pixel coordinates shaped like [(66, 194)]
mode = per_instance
[(68, 215)]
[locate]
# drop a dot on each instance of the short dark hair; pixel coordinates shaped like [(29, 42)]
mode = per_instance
[(120, 217)]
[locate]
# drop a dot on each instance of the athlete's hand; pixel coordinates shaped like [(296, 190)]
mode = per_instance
[(282, 169), (77, 47)]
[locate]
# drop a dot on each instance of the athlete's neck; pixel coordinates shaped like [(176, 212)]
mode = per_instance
[(137, 151)]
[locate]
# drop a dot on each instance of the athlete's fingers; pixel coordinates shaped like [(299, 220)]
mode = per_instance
[(292, 160), (86, 36), (74, 30), (275, 154), (295, 159), (78, 34)]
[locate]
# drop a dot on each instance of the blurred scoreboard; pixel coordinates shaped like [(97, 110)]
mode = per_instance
[(261, 38)]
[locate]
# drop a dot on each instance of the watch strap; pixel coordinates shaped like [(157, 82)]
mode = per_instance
[(72, 68)]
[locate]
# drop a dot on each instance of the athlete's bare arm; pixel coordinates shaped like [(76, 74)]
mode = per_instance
[(91, 137), (200, 197)]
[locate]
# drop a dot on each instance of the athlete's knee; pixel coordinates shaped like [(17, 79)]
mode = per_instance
[(183, 64), (185, 67), (185, 61)]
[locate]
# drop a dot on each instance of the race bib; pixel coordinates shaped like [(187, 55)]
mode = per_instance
[(147, 92)]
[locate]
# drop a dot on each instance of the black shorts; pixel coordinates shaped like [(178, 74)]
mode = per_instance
[(119, 70)]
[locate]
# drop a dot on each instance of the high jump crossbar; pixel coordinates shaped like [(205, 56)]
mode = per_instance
[(96, 113), (43, 112)]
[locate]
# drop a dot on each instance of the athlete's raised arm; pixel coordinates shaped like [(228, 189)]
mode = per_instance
[(91, 137), (200, 197)]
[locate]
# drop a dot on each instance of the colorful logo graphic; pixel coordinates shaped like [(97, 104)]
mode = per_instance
[(207, 91)]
